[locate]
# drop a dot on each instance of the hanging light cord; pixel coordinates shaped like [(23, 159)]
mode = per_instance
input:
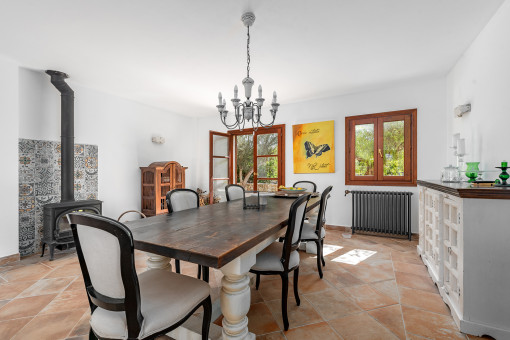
[(248, 53)]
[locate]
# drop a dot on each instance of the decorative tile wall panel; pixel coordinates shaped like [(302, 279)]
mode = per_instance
[(39, 184)]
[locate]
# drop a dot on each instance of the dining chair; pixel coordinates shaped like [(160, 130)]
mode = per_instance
[(125, 305), (314, 231), (310, 187), (184, 199), (282, 258), (234, 192)]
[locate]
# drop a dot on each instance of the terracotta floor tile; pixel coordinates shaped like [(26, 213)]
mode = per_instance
[(260, 319), (416, 282), (27, 273), (311, 283), (83, 326), (271, 336), (408, 257), (50, 326), (418, 269), (47, 286), (341, 278), (298, 315), (3, 302), (391, 318), (388, 288), (255, 296), (332, 304), (77, 284), (272, 289), (315, 331), (430, 325), (86, 337), (368, 298), (10, 327), (67, 301), (423, 300), (361, 327), (380, 271), (24, 307), (10, 290), (67, 270), (61, 261)]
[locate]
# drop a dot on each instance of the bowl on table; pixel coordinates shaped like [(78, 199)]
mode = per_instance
[(292, 190)]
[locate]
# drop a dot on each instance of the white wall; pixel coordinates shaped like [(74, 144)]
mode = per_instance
[(482, 77), (427, 95), (122, 129), (9, 147)]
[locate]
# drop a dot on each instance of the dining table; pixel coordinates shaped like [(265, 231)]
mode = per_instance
[(224, 236)]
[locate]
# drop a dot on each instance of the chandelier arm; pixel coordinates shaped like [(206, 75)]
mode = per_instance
[(232, 126)]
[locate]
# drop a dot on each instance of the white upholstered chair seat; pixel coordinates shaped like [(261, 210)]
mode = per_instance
[(165, 297), (308, 232), (269, 258)]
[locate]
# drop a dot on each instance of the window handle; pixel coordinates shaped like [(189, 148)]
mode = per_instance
[(380, 153)]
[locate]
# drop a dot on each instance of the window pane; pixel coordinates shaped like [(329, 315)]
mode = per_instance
[(364, 150), (244, 161), (267, 167), (220, 145), (267, 144), (270, 185), (220, 167), (394, 148), (219, 189)]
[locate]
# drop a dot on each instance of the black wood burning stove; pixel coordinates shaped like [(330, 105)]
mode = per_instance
[(56, 230)]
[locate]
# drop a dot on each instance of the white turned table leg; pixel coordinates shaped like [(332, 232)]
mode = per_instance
[(235, 297), (159, 262)]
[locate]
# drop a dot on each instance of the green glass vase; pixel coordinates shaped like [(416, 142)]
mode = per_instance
[(472, 171)]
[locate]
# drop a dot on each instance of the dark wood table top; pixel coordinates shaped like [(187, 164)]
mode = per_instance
[(212, 235)]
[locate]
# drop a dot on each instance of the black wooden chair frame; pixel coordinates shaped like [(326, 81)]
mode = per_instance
[(131, 303), (309, 182), (201, 269), (288, 248), (319, 241), (232, 185)]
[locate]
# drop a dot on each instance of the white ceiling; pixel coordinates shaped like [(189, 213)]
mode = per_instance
[(177, 55)]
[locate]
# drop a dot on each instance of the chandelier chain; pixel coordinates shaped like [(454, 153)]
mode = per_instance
[(248, 53)]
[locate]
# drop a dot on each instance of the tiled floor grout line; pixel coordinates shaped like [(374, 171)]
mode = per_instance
[(399, 298)]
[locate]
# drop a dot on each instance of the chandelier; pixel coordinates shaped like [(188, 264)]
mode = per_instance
[(248, 110)]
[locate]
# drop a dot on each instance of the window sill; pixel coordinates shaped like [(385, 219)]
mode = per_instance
[(381, 183)]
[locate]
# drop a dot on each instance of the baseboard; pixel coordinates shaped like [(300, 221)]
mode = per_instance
[(337, 227), (8, 259), (479, 329)]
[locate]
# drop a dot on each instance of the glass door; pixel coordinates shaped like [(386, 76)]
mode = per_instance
[(267, 154), (220, 164)]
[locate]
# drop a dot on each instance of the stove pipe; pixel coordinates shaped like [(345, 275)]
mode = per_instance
[(66, 134)]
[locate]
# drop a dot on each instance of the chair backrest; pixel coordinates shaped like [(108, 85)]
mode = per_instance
[(182, 199), (321, 217), (105, 251), (234, 192), (294, 228), (309, 186)]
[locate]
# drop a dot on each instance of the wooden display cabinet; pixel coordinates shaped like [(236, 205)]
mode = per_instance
[(158, 179)]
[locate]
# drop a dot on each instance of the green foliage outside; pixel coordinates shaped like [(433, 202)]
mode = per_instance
[(267, 145), (393, 149)]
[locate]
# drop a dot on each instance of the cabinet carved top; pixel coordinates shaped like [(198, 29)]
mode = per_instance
[(465, 190)]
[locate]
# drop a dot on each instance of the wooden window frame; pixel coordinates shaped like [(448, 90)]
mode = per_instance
[(278, 129), (410, 151), (212, 157)]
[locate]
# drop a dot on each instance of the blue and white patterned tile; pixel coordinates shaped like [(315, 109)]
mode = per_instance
[(47, 188), (26, 189), (26, 204)]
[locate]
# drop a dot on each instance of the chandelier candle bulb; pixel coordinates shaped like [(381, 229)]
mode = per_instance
[(219, 98), (260, 91), (235, 92), (274, 96)]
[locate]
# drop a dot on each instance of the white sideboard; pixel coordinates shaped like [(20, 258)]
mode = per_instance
[(465, 244)]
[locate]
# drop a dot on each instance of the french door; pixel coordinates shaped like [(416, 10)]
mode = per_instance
[(256, 159)]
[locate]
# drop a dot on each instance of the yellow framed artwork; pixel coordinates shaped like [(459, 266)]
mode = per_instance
[(314, 147)]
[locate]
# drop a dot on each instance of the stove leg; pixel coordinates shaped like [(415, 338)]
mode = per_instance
[(43, 247), (52, 251)]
